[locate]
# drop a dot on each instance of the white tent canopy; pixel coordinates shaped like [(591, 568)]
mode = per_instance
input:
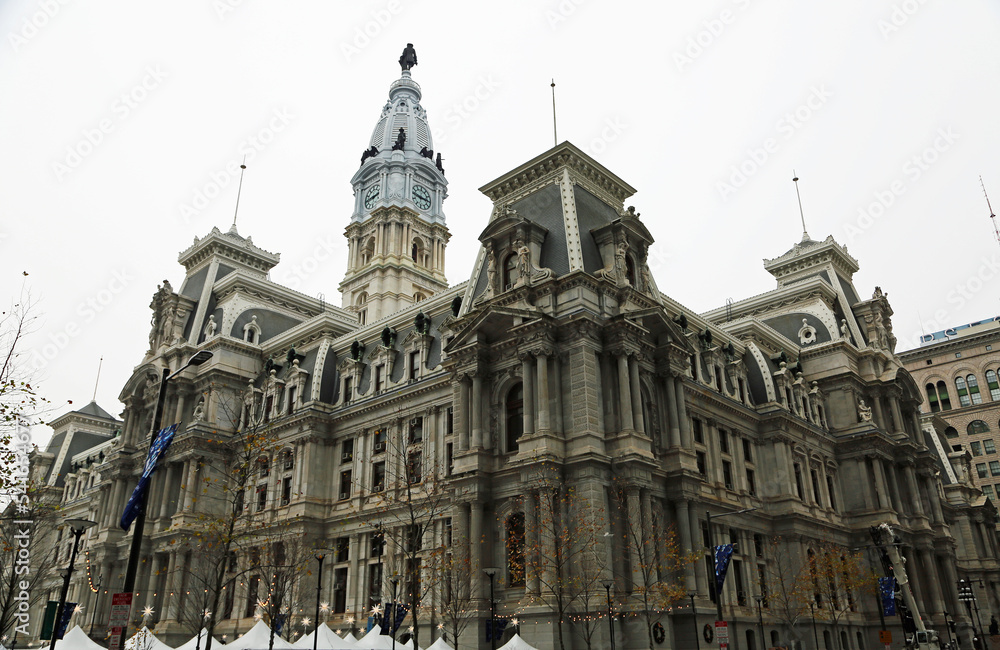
[(76, 639), (440, 644), (144, 639), (328, 640), (193, 643), (517, 643), (375, 640), (257, 639), (350, 638)]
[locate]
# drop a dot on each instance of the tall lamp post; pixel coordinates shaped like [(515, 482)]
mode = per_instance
[(608, 584), (694, 619), (812, 610), (711, 547), (760, 619), (97, 606), (76, 527), (394, 581), (491, 572), (968, 596), (320, 555)]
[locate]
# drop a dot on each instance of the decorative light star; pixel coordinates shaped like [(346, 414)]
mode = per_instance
[(206, 613), (410, 629), (257, 616), (440, 626), (324, 607), (78, 609), (306, 622), (338, 631), (514, 621), (350, 620), (224, 637), (376, 609)]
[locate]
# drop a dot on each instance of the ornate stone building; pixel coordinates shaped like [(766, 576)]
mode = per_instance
[(558, 363)]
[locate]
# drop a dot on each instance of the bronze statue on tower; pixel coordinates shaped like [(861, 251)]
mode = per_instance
[(408, 58)]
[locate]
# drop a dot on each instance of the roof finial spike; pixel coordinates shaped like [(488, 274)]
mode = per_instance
[(795, 179), (993, 217), (555, 138), (97, 381), (239, 191)]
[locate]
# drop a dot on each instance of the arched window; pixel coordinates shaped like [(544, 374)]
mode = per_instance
[(994, 386), (514, 411), (362, 311), (963, 392), (951, 432), (976, 427), (974, 394), (515, 550), (932, 398), (509, 271), (417, 297), (942, 391), (368, 252), (417, 253), (630, 270)]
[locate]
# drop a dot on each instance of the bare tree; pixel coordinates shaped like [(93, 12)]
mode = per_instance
[(458, 585), (839, 578), (787, 591)]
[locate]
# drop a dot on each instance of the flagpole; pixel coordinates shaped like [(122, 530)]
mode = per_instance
[(716, 586)]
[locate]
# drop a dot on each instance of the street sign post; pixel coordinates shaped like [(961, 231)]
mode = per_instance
[(722, 634), (121, 608)]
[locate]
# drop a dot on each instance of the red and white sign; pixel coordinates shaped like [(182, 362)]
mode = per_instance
[(115, 642), (722, 634), (121, 607)]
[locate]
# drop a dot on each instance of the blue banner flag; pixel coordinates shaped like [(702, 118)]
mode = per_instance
[(496, 629), (722, 556), (887, 589), (279, 622), (67, 613), (400, 611), (156, 451)]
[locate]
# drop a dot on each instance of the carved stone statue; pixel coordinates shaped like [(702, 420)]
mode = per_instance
[(199, 409), (400, 140), (408, 58), (491, 272), (621, 268), (211, 327), (523, 260), (845, 331), (864, 411)]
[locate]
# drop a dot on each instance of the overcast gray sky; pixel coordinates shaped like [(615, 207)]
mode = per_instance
[(121, 119)]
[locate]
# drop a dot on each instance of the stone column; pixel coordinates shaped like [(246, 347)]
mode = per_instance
[(528, 389), (673, 423), (168, 487), (190, 472), (682, 416), (181, 401), (626, 421), (544, 422), (879, 412), (880, 483), (531, 541), (916, 576), (460, 419), (911, 482), (935, 500), (476, 543), (889, 467), (824, 488), (636, 390), (557, 413), (933, 580), (477, 411), (684, 529), (635, 535), (865, 483), (701, 578), (171, 595), (897, 415), (547, 521)]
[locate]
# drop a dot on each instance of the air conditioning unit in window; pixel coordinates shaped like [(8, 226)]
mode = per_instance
[(284, 502), (346, 457), (344, 495), (379, 446), (377, 488)]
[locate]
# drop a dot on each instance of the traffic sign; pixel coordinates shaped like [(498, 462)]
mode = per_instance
[(722, 633), (115, 642), (885, 636), (121, 607)]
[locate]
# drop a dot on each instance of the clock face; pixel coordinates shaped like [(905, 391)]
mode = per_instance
[(421, 197), (371, 197)]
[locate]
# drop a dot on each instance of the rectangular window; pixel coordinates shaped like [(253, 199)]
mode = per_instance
[(723, 441), (340, 591), (989, 447), (829, 489), (377, 544), (995, 467), (727, 474), (378, 378), (378, 477), (449, 421), (977, 449), (747, 451), (345, 484), (798, 481), (702, 469), (286, 490), (417, 429), (981, 470), (751, 482), (414, 364), (758, 545), (261, 496), (252, 586), (268, 405), (815, 484), (447, 531), (988, 491), (343, 547), (699, 436), (413, 467), (347, 451), (741, 594), (348, 389), (762, 582), (374, 585), (449, 463), (379, 438), (291, 399)]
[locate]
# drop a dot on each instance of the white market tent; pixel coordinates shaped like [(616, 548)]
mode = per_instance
[(257, 639), (350, 638), (409, 644), (440, 644), (144, 639), (328, 640), (193, 643), (375, 640), (76, 639), (517, 643)]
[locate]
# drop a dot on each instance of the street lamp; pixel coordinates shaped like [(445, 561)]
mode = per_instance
[(199, 358), (76, 527), (492, 571), (968, 596), (711, 546), (694, 619), (947, 626), (812, 610), (320, 555), (608, 584), (760, 619), (93, 614), (394, 581)]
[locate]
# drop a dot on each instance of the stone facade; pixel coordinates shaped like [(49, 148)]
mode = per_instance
[(559, 364)]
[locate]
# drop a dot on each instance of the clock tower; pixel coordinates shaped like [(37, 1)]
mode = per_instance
[(397, 235)]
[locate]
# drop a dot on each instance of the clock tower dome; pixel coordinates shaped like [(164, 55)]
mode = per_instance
[(397, 235)]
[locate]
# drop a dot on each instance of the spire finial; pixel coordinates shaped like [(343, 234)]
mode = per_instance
[(555, 137), (993, 217), (795, 179), (239, 191), (97, 381)]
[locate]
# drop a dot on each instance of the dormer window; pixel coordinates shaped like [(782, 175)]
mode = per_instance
[(509, 271), (251, 331), (630, 270)]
